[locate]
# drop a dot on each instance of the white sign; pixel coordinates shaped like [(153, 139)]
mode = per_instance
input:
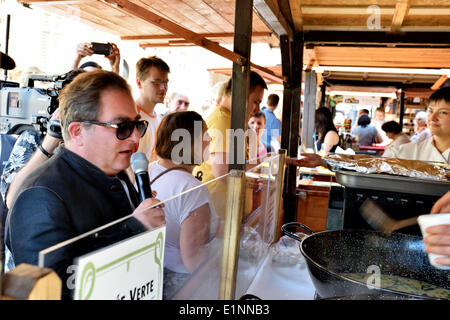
[(129, 270)]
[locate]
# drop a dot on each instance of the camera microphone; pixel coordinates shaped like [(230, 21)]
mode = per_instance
[(139, 165)]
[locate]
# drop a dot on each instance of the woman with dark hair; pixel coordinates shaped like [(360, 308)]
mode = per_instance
[(328, 138), (394, 132), (365, 133), (191, 222)]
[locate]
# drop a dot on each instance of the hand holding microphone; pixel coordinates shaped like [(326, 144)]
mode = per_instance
[(149, 217), (139, 165)]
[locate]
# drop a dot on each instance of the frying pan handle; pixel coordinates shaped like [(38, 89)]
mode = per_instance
[(295, 224)]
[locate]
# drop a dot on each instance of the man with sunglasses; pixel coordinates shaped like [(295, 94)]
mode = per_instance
[(83, 186), (152, 78)]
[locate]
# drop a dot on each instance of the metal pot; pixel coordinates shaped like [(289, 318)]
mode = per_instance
[(330, 254)]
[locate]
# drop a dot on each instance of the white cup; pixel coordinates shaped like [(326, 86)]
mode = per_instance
[(429, 220)]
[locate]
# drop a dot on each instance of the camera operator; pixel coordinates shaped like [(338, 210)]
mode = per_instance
[(85, 49), (23, 159)]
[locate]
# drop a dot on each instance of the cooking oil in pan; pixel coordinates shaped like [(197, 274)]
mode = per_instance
[(402, 284)]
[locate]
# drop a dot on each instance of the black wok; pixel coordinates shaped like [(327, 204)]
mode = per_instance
[(329, 254)]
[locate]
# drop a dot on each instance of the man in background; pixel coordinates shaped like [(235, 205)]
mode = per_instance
[(152, 78), (421, 131), (271, 137), (177, 102)]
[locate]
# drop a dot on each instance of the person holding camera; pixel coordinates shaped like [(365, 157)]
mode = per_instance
[(30, 150), (88, 49)]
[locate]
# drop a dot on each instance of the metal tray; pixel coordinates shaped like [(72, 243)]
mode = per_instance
[(391, 183)]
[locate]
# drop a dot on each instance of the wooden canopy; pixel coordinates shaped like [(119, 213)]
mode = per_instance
[(367, 33)]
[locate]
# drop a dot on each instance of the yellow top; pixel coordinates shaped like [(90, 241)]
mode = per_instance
[(218, 122)]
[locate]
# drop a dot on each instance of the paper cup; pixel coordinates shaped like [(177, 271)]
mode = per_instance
[(429, 220)]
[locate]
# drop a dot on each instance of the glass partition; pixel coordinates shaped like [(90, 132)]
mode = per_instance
[(258, 225), (192, 256)]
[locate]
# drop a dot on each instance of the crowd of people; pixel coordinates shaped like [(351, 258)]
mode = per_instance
[(55, 189)]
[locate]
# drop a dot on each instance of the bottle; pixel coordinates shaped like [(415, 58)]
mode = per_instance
[(348, 142)]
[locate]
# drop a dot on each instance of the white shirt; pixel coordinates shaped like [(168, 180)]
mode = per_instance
[(423, 151), (147, 142), (378, 126), (421, 136), (177, 210), (396, 144)]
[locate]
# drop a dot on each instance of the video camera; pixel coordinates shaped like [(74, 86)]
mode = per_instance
[(30, 108)]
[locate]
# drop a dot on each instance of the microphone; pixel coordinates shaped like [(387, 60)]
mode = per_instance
[(139, 165)]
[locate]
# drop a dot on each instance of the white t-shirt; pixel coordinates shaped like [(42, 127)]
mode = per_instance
[(177, 210), (147, 142), (421, 136), (396, 144), (423, 151)]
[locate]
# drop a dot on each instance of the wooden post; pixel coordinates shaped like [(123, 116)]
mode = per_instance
[(402, 107), (292, 66), (240, 83), (231, 234), (279, 192), (29, 282), (323, 95), (309, 108)]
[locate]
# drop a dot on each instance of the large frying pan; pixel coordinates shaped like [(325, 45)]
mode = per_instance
[(331, 253)]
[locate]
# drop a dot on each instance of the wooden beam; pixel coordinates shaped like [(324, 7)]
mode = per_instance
[(362, 10), (309, 107), (270, 13), (166, 44), (402, 108), (401, 10), (343, 10), (267, 73), (203, 35), (240, 84), (439, 82), (146, 15), (297, 14), (376, 37)]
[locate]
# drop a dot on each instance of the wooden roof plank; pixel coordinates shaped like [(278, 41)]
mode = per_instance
[(225, 8), (211, 14), (171, 27), (297, 14), (388, 57), (184, 11), (167, 10), (401, 10)]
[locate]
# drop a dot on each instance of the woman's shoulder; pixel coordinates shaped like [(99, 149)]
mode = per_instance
[(178, 178), (332, 135)]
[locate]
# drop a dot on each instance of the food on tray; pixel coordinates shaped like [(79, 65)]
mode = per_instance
[(402, 284), (402, 167)]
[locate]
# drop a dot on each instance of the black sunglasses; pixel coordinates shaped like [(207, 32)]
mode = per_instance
[(123, 129)]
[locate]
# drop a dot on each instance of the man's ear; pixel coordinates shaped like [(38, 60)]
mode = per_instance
[(139, 83), (76, 132)]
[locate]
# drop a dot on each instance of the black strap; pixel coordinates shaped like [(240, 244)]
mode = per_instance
[(198, 176), (45, 152)]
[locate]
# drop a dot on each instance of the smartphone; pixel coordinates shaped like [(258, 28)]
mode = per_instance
[(101, 48)]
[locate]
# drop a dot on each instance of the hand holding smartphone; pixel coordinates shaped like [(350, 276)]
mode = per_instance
[(101, 48)]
